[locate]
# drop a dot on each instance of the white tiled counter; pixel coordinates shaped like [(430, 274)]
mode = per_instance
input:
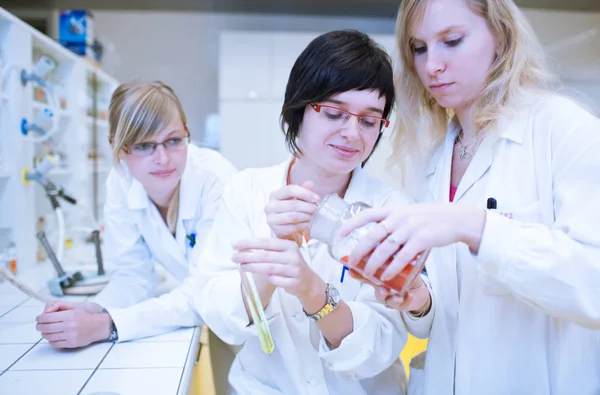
[(159, 365)]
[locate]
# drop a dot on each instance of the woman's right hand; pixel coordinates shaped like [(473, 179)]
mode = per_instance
[(290, 210)]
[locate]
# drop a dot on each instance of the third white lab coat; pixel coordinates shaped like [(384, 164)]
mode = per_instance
[(367, 360), (137, 238), (526, 316)]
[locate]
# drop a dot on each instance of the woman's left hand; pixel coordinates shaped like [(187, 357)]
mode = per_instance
[(72, 325), (404, 231), (284, 265), (415, 300)]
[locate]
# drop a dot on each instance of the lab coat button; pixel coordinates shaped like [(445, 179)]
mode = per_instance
[(313, 382), (299, 317)]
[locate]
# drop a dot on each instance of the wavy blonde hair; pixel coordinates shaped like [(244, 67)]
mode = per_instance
[(518, 70), (138, 111)]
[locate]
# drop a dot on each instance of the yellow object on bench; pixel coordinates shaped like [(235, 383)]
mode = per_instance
[(202, 377), (413, 347)]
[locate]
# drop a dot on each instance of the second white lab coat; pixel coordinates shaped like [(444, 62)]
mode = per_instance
[(523, 315), (367, 360), (137, 238)]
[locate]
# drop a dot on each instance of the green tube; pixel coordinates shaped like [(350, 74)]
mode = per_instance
[(256, 310)]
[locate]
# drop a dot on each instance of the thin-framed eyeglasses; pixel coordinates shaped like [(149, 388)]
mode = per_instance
[(172, 144), (339, 117)]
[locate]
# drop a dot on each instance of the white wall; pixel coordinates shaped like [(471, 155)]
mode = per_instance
[(181, 49), (572, 40)]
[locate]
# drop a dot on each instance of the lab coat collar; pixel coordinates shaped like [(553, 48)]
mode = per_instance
[(438, 172), (480, 163), (137, 198), (514, 124), (438, 154), (507, 127), (512, 128), (438, 176), (358, 188), (188, 199)]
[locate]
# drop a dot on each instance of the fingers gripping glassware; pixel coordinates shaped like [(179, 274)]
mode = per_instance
[(325, 225)]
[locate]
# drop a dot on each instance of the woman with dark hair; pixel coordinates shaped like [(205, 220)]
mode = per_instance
[(330, 333)]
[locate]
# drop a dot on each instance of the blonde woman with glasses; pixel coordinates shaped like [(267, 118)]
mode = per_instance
[(162, 195), (508, 175)]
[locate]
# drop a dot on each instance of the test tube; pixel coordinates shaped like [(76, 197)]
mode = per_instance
[(256, 310)]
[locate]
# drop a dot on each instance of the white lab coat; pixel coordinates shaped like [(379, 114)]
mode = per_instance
[(367, 360), (526, 316), (137, 237)]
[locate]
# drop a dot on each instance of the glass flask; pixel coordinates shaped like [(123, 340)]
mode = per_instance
[(332, 212)]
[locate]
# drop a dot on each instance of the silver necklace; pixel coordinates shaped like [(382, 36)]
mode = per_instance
[(463, 152)]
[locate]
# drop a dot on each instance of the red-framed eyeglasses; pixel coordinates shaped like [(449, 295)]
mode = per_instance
[(336, 114)]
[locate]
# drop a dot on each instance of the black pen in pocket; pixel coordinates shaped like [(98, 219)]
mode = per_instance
[(492, 204)]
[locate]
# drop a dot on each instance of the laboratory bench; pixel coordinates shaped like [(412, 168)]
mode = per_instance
[(159, 365)]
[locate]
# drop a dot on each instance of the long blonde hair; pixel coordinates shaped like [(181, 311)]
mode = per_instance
[(138, 111), (518, 69)]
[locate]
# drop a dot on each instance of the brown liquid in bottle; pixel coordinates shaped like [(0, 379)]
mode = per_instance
[(398, 283)]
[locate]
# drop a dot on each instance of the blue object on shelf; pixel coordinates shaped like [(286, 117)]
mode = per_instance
[(75, 27)]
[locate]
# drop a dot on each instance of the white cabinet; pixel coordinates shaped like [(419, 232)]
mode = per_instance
[(254, 69), (256, 65), (245, 66), (286, 48), (251, 136)]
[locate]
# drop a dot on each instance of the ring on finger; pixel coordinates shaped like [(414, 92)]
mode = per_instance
[(392, 240), (385, 227)]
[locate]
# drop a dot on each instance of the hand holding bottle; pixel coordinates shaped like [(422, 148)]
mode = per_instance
[(290, 210), (415, 300), (404, 232)]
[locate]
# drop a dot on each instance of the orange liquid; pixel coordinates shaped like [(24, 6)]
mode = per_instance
[(408, 273), (13, 266)]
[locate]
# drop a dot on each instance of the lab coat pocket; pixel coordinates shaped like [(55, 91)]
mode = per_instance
[(491, 286), (416, 380), (528, 213)]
